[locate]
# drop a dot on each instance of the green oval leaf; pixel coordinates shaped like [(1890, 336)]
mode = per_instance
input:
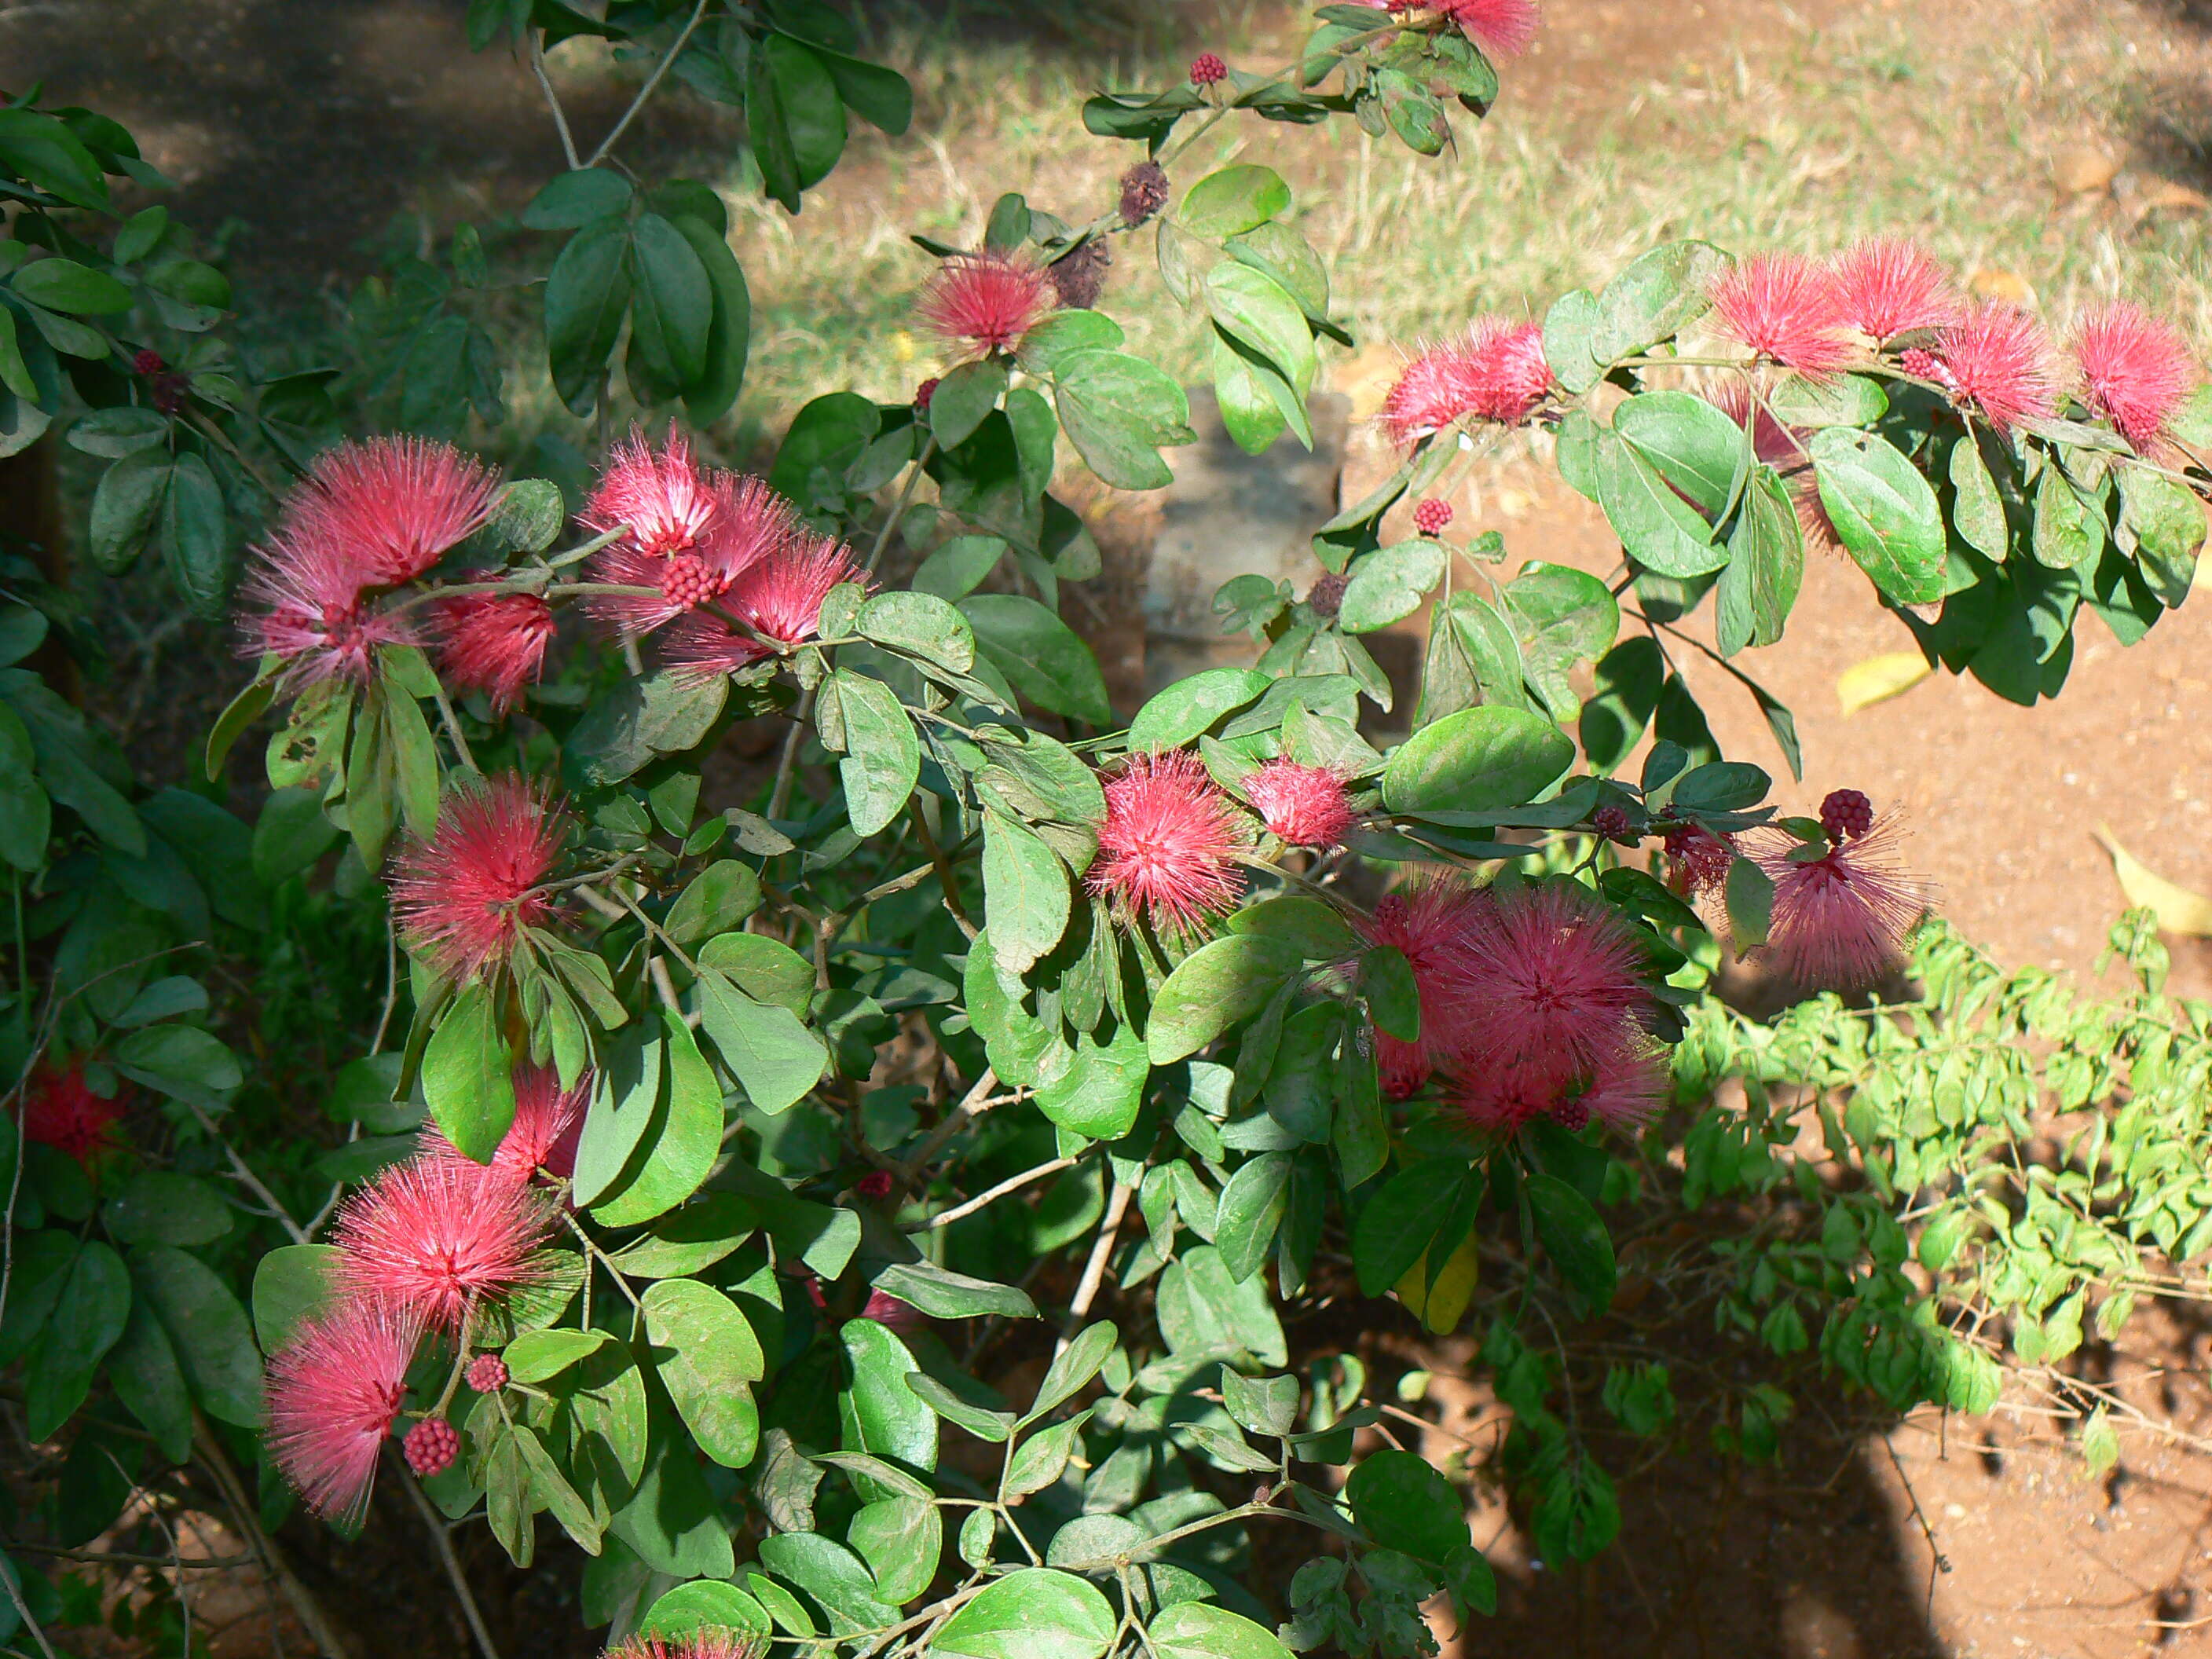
[(1883, 510), (1034, 1613), (1479, 760), (1215, 986)]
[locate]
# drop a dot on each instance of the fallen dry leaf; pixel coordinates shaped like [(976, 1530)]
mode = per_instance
[(1877, 679), (2007, 285), (2177, 909), (2168, 197), (2084, 169)]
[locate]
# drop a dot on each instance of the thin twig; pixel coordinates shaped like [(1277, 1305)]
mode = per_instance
[(1012, 1183), (452, 1564), (650, 86), (244, 1171), (117, 1558), (1094, 1270), (552, 99), (972, 1105)]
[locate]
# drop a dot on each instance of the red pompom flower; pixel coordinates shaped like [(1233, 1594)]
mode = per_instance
[(397, 505), (710, 1642), (1622, 1085), (1888, 287), (1698, 860), (549, 1121), (1551, 974), (1432, 391), (663, 500), (333, 1391), (307, 606), (433, 1237), (1305, 806), (775, 602), (2135, 371), (463, 897), (1785, 308), (1167, 850), (1840, 917), (989, 299), (1995, 357), (493, 643), (60, 1110), (1497, 371), (749, 524), (1430, 924), (1502, 29)]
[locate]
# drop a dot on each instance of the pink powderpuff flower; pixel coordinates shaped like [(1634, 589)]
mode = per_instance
[(775, 602), (334, 1393), (893, 1314), (707, 1642), (1506, 368), (1430, 925), (1889, 286), (1698, 860), (549, 1121), (433, 1237), (662, 500), (1783, 447), (1622, 1086), (1305, 806), (463, 897), (1550, 969), (749, 524), (60, 1110), (307, 606), (1840, 918), (2135, 370), (1785, 308), (990, 300), (493, 643), (1995, 357), (1168, 849), (1502, 29), (1435, 389), (398, 505), (1780, 446)]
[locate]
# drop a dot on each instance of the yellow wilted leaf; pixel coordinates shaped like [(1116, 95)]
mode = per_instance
[(2177, 909), (1877, 679), (1440, 1308)]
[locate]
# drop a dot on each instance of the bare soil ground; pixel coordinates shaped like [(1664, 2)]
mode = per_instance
[(302, 125)]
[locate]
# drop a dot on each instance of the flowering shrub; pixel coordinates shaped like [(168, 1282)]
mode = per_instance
[(749, 1117)]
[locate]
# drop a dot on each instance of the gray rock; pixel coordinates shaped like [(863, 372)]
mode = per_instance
[(1227, 514)]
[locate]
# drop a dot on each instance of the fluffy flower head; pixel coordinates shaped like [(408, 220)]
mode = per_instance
[(396, 505), (308, 604), (1167, 850), (663, 498), (749, 525), (333, 1393), (1783, 307), (433, 1237), (1840, 918), (549, 1120), (1552, 974), (1304, 805), (493, 643), (1889, 286), (463, 897), (1698, 860), (1622, 1085), (1432, 391), (1502, 29), (60, 1110), (989, 299), (1430, 924), (1496, 371), (2135, 369), (713, 1642), (1997, 358)]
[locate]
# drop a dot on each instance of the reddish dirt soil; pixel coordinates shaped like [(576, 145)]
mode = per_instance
[(365, 107)]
